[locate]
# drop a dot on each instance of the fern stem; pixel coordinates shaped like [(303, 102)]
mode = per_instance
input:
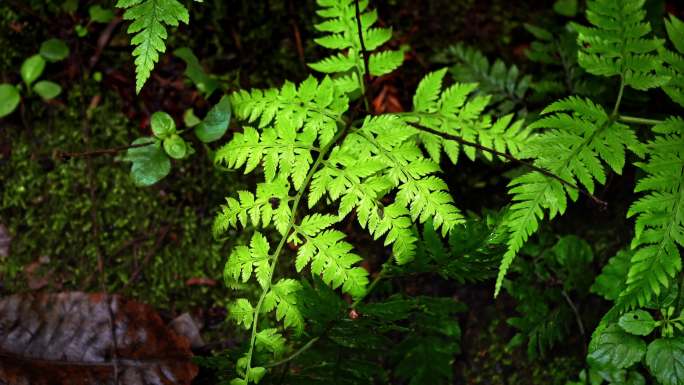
[(619, 97), (511, 158), (637, 120), (281, 244), (294, 355), (365, 80)]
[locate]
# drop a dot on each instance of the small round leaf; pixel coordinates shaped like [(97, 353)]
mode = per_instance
[(175, 147), (47, 89), (190, 119), (162, 124), (215, 123), (32, 68), (54, 50), (9, 99)]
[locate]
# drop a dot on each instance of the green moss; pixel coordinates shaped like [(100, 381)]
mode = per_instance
[(152, 239)]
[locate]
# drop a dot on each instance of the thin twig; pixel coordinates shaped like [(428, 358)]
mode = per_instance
[(529, 165), (103, 151)]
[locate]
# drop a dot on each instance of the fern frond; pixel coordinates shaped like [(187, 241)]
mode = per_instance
[(331, 258), (506, 85), (659, 226), (342, 33), (311, 107), (244, 260), (257, 209), (616, 44), (458, 112), (674, 61), (579, 136), (282, 297), (150, 18)]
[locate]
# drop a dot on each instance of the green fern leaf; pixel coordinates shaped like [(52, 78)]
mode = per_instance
[(571, 148), (331, 258), (283, 298), (659, 225), (456, 111), (342, 33), (148, 27), (242, 312), (616, 44), (243, 261)]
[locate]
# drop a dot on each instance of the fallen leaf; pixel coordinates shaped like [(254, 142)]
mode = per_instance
[(5, 241), (187, 326), (67, 338)]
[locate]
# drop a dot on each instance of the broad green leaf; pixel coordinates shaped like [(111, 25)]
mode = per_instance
[(638, 322), (9, 99), (150, 163), (32, 68), (665, 360), (99, 14), (215, 123), (613, 347), (175, 147), (54, 50), (47, 89), (162, 125)]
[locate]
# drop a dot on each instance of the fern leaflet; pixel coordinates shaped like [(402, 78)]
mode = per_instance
[(148, 26)]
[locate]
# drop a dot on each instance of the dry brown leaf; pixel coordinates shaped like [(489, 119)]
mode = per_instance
[(66, 338)]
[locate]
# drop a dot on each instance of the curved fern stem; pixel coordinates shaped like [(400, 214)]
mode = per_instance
[(365, 79), (637, 120), (619, 97), (511, 158), (295, 206)]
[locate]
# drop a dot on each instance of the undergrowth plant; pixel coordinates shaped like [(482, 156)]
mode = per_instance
[(325, 163)]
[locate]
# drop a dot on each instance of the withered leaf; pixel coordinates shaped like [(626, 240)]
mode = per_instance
[(67, 338)]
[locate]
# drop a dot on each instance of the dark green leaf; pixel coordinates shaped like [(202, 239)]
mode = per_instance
[(215, 123), (665, 360), (9, 99), (611, 281), (54, 50), (613, 347)]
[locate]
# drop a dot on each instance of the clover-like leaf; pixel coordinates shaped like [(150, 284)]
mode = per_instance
[(175, 147)]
